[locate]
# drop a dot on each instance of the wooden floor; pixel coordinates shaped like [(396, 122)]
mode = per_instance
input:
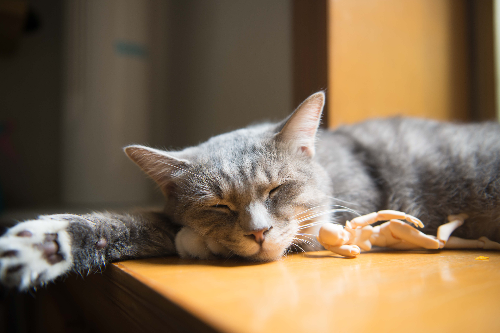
[(448, 291)]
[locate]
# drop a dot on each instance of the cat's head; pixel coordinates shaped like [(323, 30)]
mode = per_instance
[(245, 189)]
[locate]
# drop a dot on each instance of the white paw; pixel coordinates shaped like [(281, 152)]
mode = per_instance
[(35, 252), (190, 245)]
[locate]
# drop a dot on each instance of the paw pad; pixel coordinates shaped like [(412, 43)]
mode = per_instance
[(7, 254), (50, 249), (24, 233)]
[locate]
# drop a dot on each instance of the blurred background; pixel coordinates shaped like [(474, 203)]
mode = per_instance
[(81, 79)]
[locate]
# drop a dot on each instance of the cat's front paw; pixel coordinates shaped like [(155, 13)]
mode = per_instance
[(191, 245), (35, 252)]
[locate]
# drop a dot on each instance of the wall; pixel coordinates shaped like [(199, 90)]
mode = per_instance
[(225, 63), (30, 100), (230, 66)]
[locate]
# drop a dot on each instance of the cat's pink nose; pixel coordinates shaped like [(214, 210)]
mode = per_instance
[(259, 235)]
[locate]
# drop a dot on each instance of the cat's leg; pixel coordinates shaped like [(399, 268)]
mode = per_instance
[(191, 245), (35, 252)]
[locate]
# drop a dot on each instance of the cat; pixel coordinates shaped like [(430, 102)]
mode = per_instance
[(263, 191)]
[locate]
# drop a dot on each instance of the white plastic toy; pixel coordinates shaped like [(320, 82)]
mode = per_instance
[(358, 234)]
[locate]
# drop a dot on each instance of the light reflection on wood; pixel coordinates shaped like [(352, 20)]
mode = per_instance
[(318, 292)]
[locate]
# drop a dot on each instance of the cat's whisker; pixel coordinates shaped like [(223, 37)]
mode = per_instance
[(203, 177), (310, 226), (299, 247), (313, 243), (302, 240), (350, 210), (313, 224), (305, 234), (341, 209), (307, 210), (231, 253), (311, 216), (309, 236), (344, 201)]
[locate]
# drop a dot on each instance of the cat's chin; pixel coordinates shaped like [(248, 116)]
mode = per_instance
[(266, 255)]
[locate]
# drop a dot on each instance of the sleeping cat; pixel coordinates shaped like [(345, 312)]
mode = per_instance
[(249, 192)]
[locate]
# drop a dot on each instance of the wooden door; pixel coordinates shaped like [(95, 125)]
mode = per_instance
[(398, 57)]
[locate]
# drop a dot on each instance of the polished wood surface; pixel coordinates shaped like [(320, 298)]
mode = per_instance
[(447, 291), (398, 57)]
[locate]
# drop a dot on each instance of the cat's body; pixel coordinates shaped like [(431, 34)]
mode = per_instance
[(249, 192), (425, 168)]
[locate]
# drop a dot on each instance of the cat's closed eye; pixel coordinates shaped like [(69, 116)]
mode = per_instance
[(274, 191), (224, 208)]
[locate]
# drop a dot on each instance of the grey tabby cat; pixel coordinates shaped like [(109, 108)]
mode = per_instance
[(247, 193)]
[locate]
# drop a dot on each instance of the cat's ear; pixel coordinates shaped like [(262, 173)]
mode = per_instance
[(299, 130), (157, 164)]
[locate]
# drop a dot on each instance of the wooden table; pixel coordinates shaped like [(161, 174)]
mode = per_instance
[(447, 291)]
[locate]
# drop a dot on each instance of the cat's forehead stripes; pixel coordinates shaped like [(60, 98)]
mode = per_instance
[(245, 174), (249, 176), (246, 164)]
